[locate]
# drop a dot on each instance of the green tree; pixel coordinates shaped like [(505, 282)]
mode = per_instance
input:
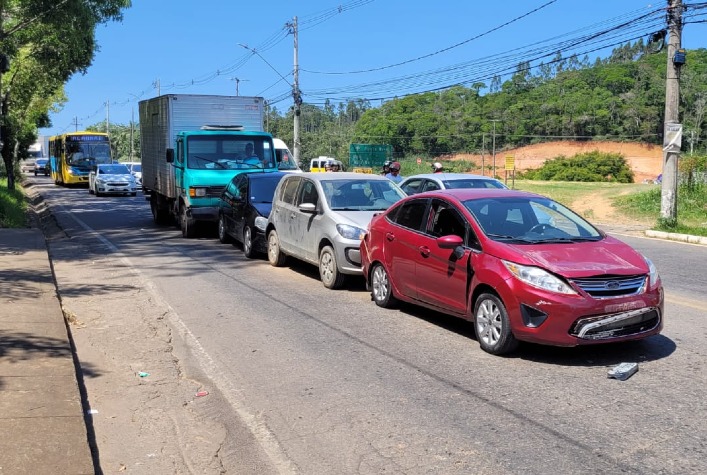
[(47, 42)]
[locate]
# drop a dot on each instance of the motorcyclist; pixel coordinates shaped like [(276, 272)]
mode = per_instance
[(437, 167), (386, 167)]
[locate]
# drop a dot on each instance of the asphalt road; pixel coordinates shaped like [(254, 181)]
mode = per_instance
[(302, 379)]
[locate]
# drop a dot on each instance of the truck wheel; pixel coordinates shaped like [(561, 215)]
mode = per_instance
[(328, 270), (188, 224), (275, 255), (159, 215)]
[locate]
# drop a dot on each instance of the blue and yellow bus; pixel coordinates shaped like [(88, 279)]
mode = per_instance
[(72, 155)]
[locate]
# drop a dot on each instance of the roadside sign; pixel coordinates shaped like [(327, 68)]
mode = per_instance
[(510, 163)]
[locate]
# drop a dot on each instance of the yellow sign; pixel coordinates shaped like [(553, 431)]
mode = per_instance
[(362, 170), (510, 163)]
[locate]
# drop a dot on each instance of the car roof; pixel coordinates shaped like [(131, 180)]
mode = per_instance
[(463, 194), (327, 176), (451, 176)]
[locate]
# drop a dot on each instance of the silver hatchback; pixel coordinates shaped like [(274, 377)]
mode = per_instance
[(320, 218)]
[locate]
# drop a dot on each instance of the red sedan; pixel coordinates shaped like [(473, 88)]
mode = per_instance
[(519, 265)]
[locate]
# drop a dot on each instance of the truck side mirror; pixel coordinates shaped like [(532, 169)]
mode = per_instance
[(170, 155)]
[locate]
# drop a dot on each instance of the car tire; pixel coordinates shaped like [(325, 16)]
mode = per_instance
[(90, 190), (187, 224), (95, 192), (248, 242), (381, 288), (275, 256), (492, 325), (35, 173), (328, 269), (223, 235)]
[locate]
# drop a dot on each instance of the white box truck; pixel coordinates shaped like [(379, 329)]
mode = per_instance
[(192, 146)]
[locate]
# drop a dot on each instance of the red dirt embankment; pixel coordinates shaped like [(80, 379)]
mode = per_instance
[(646, 160)]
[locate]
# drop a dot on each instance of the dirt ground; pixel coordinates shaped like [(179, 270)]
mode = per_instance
[(645, 160)]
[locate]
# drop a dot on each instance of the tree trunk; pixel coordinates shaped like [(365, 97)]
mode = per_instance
[(6, 152)]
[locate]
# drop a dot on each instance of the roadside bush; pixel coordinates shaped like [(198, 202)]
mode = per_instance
[(586, 167)]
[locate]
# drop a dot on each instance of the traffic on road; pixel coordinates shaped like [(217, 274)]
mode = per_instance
[(325, 380)]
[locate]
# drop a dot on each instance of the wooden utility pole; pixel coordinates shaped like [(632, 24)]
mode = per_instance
[(296, 95), (672, 136)]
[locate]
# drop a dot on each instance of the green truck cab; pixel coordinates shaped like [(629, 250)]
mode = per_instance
[(189, 155)]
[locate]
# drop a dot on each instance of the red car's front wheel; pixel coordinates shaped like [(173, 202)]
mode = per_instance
[(381, 288)]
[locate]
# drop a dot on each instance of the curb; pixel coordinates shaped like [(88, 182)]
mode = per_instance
[(702, 240)]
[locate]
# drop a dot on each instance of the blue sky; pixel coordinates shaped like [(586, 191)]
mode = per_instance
[(377, 49)]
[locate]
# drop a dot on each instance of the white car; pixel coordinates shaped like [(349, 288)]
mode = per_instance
[(136, 170), (445, 181), (285, 159), (111, 178)]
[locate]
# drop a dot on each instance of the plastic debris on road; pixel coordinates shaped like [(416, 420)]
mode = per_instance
[(202, 393), (623, 371), (143, 374)]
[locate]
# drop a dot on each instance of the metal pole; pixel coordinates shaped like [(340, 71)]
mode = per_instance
[(483, 151), (494, 147), (132, 126), (669, 183)]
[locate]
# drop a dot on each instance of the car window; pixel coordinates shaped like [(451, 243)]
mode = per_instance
[(231, 190), (411, 214), (473, 183), (288, 190), (412, 186), (114, 169), (430, 186), (308, 193), (242, 186), (262, 189), (445, 220)]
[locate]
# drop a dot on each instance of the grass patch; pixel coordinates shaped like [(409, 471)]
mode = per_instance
[(13, 206), (691, 211), (632, 200)]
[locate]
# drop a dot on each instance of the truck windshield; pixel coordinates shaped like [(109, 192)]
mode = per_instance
[(221, 152)]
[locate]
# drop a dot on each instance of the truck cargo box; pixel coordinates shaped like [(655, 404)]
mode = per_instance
[(163, 117)]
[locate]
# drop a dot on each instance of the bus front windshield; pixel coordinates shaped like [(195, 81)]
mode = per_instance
[(85, 155)]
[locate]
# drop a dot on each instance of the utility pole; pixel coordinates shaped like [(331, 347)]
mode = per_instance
[(76, 124), (238, 80), (132, 125), (296, 94), (672, 136), (108, 116), (494, 146)]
